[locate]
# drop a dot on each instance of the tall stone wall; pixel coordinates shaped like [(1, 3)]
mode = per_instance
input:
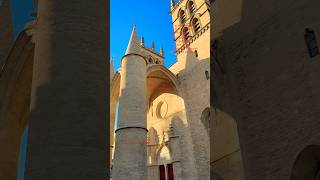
[(269, 84), (195, 92)]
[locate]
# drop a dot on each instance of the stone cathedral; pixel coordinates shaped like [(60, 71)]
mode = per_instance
[(258, 121), (163, 113)]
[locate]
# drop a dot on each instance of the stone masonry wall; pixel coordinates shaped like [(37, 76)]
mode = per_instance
[(270, 85)]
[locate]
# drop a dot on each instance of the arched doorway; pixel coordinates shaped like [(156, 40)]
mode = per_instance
[(307, 164), (166, 171)]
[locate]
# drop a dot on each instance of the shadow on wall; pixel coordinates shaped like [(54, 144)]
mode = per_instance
[(153, 140), (226, 155), (195, 85), (68, 128)]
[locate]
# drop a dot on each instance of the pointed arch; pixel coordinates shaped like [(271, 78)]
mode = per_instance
[(185, 33), (191, 7), (164, 155), (166, 72), (195, 22), (182, 16)]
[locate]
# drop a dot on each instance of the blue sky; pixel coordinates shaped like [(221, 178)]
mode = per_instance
[(151, 18)]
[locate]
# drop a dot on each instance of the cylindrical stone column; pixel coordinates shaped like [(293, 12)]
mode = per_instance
[(130, 158), (68, 129), (6, 34)]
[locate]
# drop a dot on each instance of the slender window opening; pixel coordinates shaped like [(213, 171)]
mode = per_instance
[(191, 6), (182, 16), (196, 53), (311, 42), (186, 34), (196, 25), (207, 75)]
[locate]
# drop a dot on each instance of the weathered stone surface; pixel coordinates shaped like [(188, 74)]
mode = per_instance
[(269, 84), (69, 101), (130, 156)]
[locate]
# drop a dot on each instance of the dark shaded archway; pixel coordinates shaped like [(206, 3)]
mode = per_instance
[(307, 164)]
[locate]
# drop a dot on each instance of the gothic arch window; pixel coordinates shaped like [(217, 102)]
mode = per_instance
[(191, 7), (196, 25), (150, 60), (186, 33), (164, 155), (182, 16)]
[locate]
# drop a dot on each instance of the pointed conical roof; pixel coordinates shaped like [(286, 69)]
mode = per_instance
[(133, 46), (152, 46), (161, 51), (142, 41)]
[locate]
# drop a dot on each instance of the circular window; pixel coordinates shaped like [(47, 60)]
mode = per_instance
[(162, 109)]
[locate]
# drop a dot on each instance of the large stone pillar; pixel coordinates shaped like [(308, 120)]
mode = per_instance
[(68, 126), (6, 34), (130, 158)]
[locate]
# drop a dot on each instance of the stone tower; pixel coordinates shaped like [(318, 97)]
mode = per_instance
[(191, 20), (130, 157), (6, 35)]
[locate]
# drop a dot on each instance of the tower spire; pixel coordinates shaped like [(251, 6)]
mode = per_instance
[(142, 41), (161, 51), (133, 45), (152, 46)]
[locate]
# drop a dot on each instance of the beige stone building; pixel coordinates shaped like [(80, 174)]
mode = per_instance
[(163, 114)]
